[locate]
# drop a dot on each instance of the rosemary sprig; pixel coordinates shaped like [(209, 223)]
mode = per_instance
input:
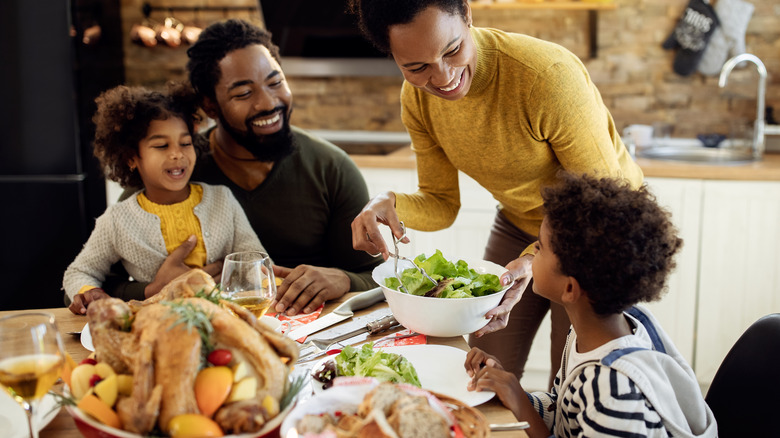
[(214, 295), (61, 400), (194, 317), (127, 321), (294, 388)]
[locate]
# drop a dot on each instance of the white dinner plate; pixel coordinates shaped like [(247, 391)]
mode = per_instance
[(13, 420), (439, 368), (86, 338)]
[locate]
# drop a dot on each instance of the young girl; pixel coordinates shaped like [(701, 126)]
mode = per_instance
[(145, 139)]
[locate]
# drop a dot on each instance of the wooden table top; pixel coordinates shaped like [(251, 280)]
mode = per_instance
[(63, 425)]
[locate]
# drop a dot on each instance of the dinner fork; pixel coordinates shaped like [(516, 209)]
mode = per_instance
[(321, 346), (399, 257)]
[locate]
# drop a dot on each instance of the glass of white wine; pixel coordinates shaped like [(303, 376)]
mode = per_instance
[(31, 359), (248, 280)]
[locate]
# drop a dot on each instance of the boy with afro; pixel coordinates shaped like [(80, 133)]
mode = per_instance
[(603, 248)]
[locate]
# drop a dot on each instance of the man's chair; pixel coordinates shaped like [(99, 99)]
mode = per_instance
[(745, 393)]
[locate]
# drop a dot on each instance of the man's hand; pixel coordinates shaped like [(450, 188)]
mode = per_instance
[(81, 301), (306, 287), (518, 274), (174, 266)]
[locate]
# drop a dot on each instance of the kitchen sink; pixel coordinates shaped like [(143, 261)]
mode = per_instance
[(692, 151)]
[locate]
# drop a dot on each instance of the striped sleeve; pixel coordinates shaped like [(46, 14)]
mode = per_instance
[(602, 402), (545, 402)]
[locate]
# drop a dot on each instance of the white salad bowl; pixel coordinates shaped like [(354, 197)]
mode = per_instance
[(443, 317)]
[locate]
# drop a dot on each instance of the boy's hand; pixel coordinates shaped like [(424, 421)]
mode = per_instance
[(487, 375), (81, 301), (477, 359)]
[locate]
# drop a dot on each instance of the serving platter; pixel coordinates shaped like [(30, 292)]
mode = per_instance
[(439, 368)]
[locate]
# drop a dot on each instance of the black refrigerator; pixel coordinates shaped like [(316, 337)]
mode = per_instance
[(52, 189)]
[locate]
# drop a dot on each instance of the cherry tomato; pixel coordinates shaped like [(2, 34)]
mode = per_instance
[(94, 380), (220, 357)]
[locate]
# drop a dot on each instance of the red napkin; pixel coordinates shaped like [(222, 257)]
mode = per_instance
[(297, 320), (407, 337)]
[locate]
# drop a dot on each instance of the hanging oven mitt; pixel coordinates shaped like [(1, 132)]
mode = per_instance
[(691, 35), (728, 39)]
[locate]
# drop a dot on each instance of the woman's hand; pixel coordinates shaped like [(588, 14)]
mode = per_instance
[(306, 287), (365, 231), (518, 274), (81, 301)]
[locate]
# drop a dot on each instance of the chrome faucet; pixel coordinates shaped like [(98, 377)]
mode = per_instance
[(760, 128)]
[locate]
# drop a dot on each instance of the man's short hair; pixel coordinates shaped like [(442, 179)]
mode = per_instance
[(615, 240), (214, 43)]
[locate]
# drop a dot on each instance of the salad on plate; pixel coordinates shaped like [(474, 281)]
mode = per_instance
[(365, 361)]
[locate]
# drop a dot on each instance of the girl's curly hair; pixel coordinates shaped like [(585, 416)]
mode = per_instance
[(616, 241), (376, 16), (122, 119)]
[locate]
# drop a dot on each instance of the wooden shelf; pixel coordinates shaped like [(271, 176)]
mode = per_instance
[(571, 6), (592, 8)]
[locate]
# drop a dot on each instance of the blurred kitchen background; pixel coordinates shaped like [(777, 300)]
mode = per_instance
[(53, 69)]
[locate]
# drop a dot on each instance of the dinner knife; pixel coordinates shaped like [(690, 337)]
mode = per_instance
[(344, 311)]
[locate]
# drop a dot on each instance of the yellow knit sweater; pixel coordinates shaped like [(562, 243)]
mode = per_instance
[(531, 111), (178, 222)]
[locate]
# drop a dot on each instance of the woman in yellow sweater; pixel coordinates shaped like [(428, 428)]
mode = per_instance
[(508, 110)]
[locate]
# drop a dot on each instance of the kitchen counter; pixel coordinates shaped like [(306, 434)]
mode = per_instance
[(767, 169)]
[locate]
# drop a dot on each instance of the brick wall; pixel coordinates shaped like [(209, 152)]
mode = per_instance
[(632, 71)]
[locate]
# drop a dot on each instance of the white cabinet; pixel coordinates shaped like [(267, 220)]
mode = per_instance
[(739, 276), (677, 308)]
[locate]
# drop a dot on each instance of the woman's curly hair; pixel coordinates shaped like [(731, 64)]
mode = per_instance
[(214, 43), (376, 16), (122, 120), (616, 241)]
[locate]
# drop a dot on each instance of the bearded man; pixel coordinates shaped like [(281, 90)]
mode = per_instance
[(299, 192)]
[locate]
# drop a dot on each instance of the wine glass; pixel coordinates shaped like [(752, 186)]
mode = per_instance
[(31, 359), (248, 280)]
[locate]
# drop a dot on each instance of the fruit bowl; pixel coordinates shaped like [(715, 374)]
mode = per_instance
[(91, 428), (443, 317)]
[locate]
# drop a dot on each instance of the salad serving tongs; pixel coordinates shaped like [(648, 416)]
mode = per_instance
[(399, 257), (319, 347)]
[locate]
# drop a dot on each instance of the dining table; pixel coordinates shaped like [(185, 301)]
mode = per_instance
[(63, 426)]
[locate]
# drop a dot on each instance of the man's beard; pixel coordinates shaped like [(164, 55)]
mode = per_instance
[(268, 148)]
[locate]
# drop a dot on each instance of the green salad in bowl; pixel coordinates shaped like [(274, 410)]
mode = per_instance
[(456, 280), (475, 283)]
